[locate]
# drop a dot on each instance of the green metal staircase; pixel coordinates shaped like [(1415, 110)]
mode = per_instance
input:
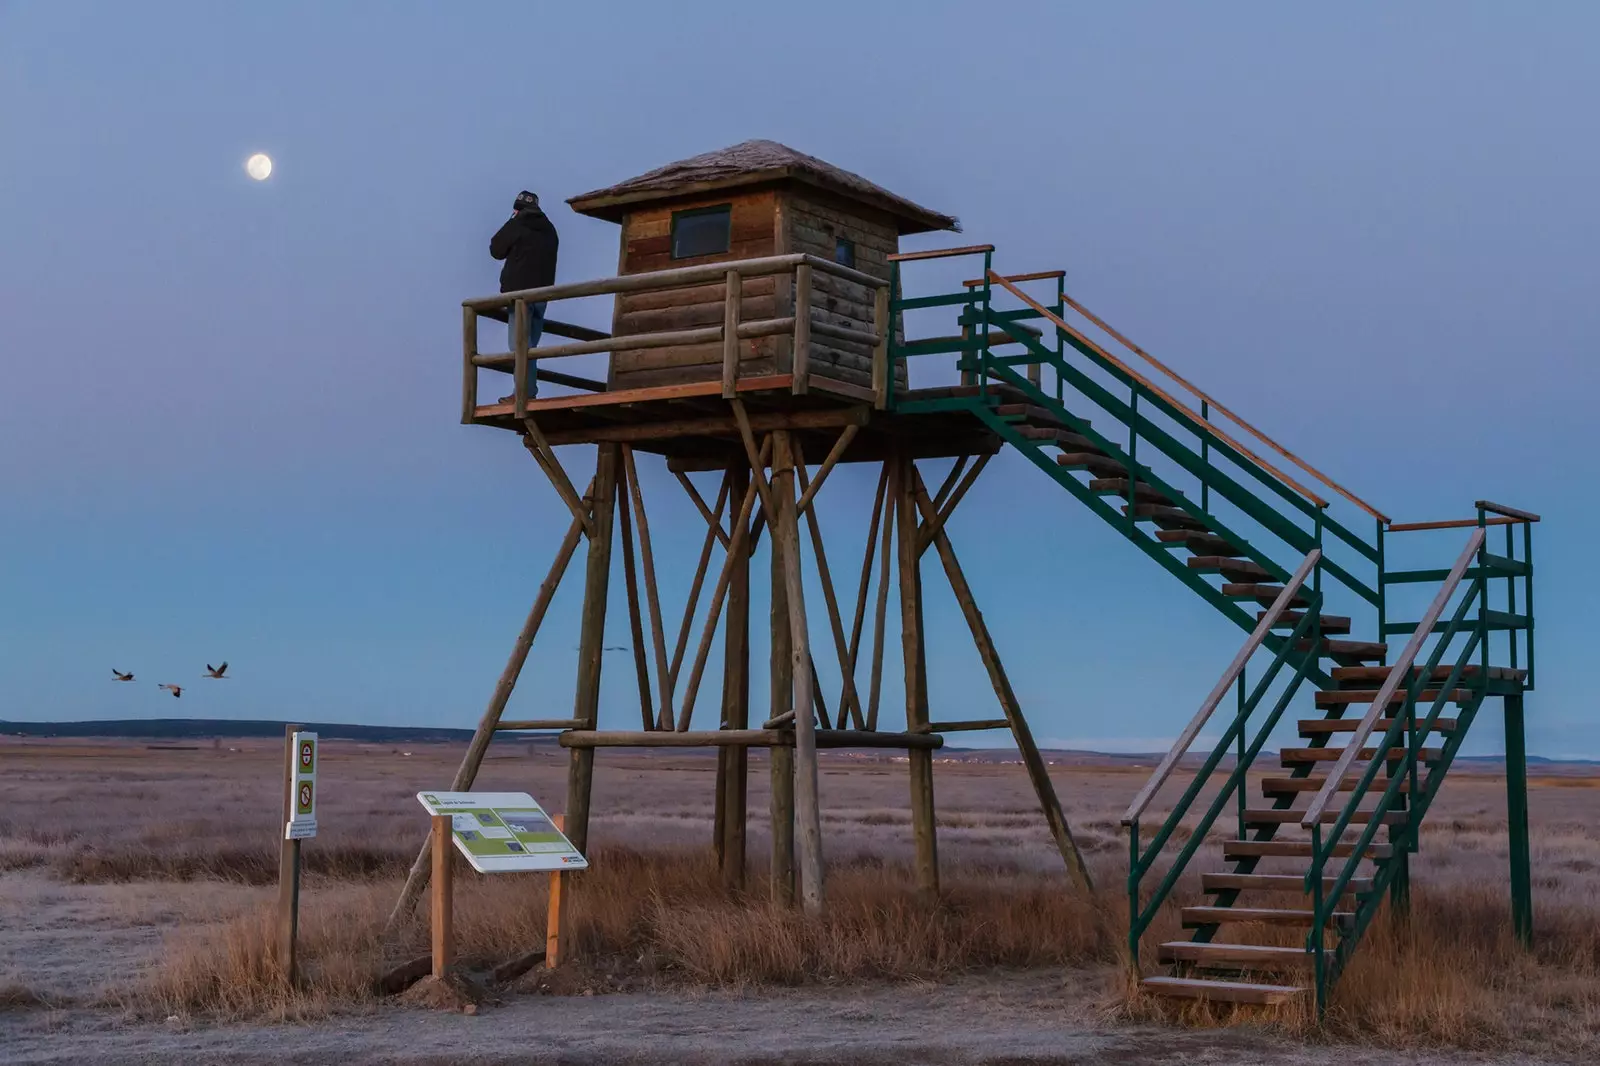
[(1240, 530)]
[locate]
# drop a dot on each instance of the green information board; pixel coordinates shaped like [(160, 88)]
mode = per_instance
[(502, 832)]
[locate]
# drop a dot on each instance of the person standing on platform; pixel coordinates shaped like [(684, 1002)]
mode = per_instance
[(527, 243)]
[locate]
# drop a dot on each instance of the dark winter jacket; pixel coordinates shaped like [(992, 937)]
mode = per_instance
[(527, 242)]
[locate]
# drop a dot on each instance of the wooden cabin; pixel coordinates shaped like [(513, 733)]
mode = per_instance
[(759, 198)]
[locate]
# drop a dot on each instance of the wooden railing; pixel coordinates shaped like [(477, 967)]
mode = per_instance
[(801, 326)]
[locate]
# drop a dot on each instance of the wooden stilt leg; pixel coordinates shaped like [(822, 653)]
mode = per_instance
[(417, 878), (922, 811), (781, 672), (1038, 773), (591, 642), (733, 761), (786, 544)]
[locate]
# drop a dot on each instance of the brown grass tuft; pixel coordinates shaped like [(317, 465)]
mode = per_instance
[(656, 918)]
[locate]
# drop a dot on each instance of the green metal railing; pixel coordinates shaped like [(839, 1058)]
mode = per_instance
[(1142, 910), (1413, 772), (1292, 518)]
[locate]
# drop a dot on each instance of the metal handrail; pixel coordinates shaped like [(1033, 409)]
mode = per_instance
[(1397, 677), (942, 253), (1181, 746), (1202, 395), (1201, 423)]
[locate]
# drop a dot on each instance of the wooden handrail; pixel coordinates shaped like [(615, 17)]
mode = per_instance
[(1214, 402), (1039, 275), (1180, 747), (1204, 426), (1450, 523), (674, 278), (1509, 512), (941, 253), (1391, 684)]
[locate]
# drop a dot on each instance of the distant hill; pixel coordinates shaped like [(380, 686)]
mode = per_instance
[(185, 728)]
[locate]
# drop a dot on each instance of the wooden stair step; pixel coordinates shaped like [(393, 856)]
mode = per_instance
[(1056, 435), (1221, 991), (1167, 517), (1314, 727), (1199, 543), (1226, 882), (1296, 756), (1331, 623), (1345, 697), (1097, 463), (1276, 786), (1288, 816), (1196, 916), (1295, 849), (1262, 594), (1118, 486), (1232, 569), (1380, 674), (1355, 650), (1235, 956), (1031, 411)]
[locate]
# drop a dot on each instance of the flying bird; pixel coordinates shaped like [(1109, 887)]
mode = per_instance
[(217, 671), (120, 675), (176, 690)]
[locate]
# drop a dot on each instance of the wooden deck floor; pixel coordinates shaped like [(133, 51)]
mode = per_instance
[(694, 426)]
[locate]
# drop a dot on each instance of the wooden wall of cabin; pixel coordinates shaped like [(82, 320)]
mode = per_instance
[(646, 246), (811, 222)]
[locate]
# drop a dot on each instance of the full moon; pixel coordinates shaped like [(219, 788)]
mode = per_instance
[(259, 166)]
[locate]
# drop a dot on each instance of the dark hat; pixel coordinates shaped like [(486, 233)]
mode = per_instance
[(525, 200)]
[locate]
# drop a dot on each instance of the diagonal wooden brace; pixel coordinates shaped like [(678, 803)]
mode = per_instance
[(536, 443)]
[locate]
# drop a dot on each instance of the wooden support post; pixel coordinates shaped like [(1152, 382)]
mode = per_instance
[(713, 533), (1517, 822), (880, 613), (730, 335), (519, 349), (555, 918), (867, 559), (443, 910), (801, 368), (849, 700), (781, 672), (786, 545), (733, 761), (469, 370), (546, 457), (735, 548), (882, 326), (591, 642), (658, 639), (911, 644), (467, 772), (288, 871), (630, 576), (1038, 772)]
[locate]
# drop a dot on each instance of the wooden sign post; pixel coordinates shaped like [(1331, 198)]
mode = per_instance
[(556, 915), (444, 932), (288, 867)]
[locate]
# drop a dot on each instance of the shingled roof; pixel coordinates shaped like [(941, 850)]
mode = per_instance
[(754, 163)]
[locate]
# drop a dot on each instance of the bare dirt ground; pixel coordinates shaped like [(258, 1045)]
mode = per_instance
[(113, 853)]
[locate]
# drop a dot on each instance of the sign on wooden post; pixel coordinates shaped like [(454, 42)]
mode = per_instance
[(556, 913), (498, 832), (300, 823)]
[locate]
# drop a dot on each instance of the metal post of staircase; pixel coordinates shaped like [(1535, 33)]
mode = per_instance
[(1061, 338), (1318, 954), (1242, 714), (983, 324), (1205, 459), (1517, 821)]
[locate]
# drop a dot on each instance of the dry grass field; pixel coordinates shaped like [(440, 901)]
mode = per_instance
[(137, 885)]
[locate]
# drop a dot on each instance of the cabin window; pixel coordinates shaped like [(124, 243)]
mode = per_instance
[(844, 252), (703, 231)]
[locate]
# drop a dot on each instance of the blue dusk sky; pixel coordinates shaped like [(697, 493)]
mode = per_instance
[(228, 409)]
